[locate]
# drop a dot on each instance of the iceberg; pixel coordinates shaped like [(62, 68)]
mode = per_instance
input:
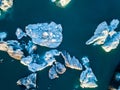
[(112, 42), (26, 60), (3, 35), (61, 3), (19, 33), (14, 49), (44, 34), (60, 68), (29, 82), (53, 73), (105, 36), (88, 79), (71, 62), (6, 4)]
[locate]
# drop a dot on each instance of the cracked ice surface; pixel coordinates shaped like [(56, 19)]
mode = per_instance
[(88, 79), (106, 36), (29, 82), (71, 62), (44, 34)]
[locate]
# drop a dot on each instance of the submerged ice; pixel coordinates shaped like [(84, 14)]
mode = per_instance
[(44, 34), (105, 36)]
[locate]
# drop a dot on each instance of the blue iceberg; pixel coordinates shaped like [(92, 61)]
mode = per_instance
[(19, 33)]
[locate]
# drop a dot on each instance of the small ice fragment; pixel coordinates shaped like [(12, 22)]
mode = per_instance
[(53, 73), (60, 68), (88, 79), (71, 62), (44, 34), (30, 47), (85, 62), (112, 42), (29, 82), (61, 3), (117, 77), (19, 33), (3, 35), (26, 60)]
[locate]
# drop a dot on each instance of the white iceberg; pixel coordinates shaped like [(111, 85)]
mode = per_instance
[(19, 33), (88, 79), (44, 34), (105, 36), (71, 62)]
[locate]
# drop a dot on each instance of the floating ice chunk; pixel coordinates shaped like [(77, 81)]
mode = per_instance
[(6, 4), (29, 82), (26, 60), (85, 61), (88, 79), (61, 3), (44, 34), (112, 42), (71, 62), (3, 35), (30, 47), (3, 46), (113, 24), (100, 34), (53, 73), (60, 68), (117, 77), (14, 49), (19, 33), (50, 54)]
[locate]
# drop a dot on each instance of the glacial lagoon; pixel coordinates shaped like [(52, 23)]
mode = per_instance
[(79, 20)]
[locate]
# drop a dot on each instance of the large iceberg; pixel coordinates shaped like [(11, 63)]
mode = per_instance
[(29, 82), (88, 79), (44, 34), (71, 62), (105, 36)]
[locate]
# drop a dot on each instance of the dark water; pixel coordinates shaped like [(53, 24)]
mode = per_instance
[(79, 21)]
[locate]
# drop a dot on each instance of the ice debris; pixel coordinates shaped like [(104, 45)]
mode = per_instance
[(61, 3), (71, 62), (56, 69), (29, 82), (6, 4), (19, 33), (36, 62), (88, 79), (44, 34), (52, 73), (85, 62), (105, 36), (60, 68)]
